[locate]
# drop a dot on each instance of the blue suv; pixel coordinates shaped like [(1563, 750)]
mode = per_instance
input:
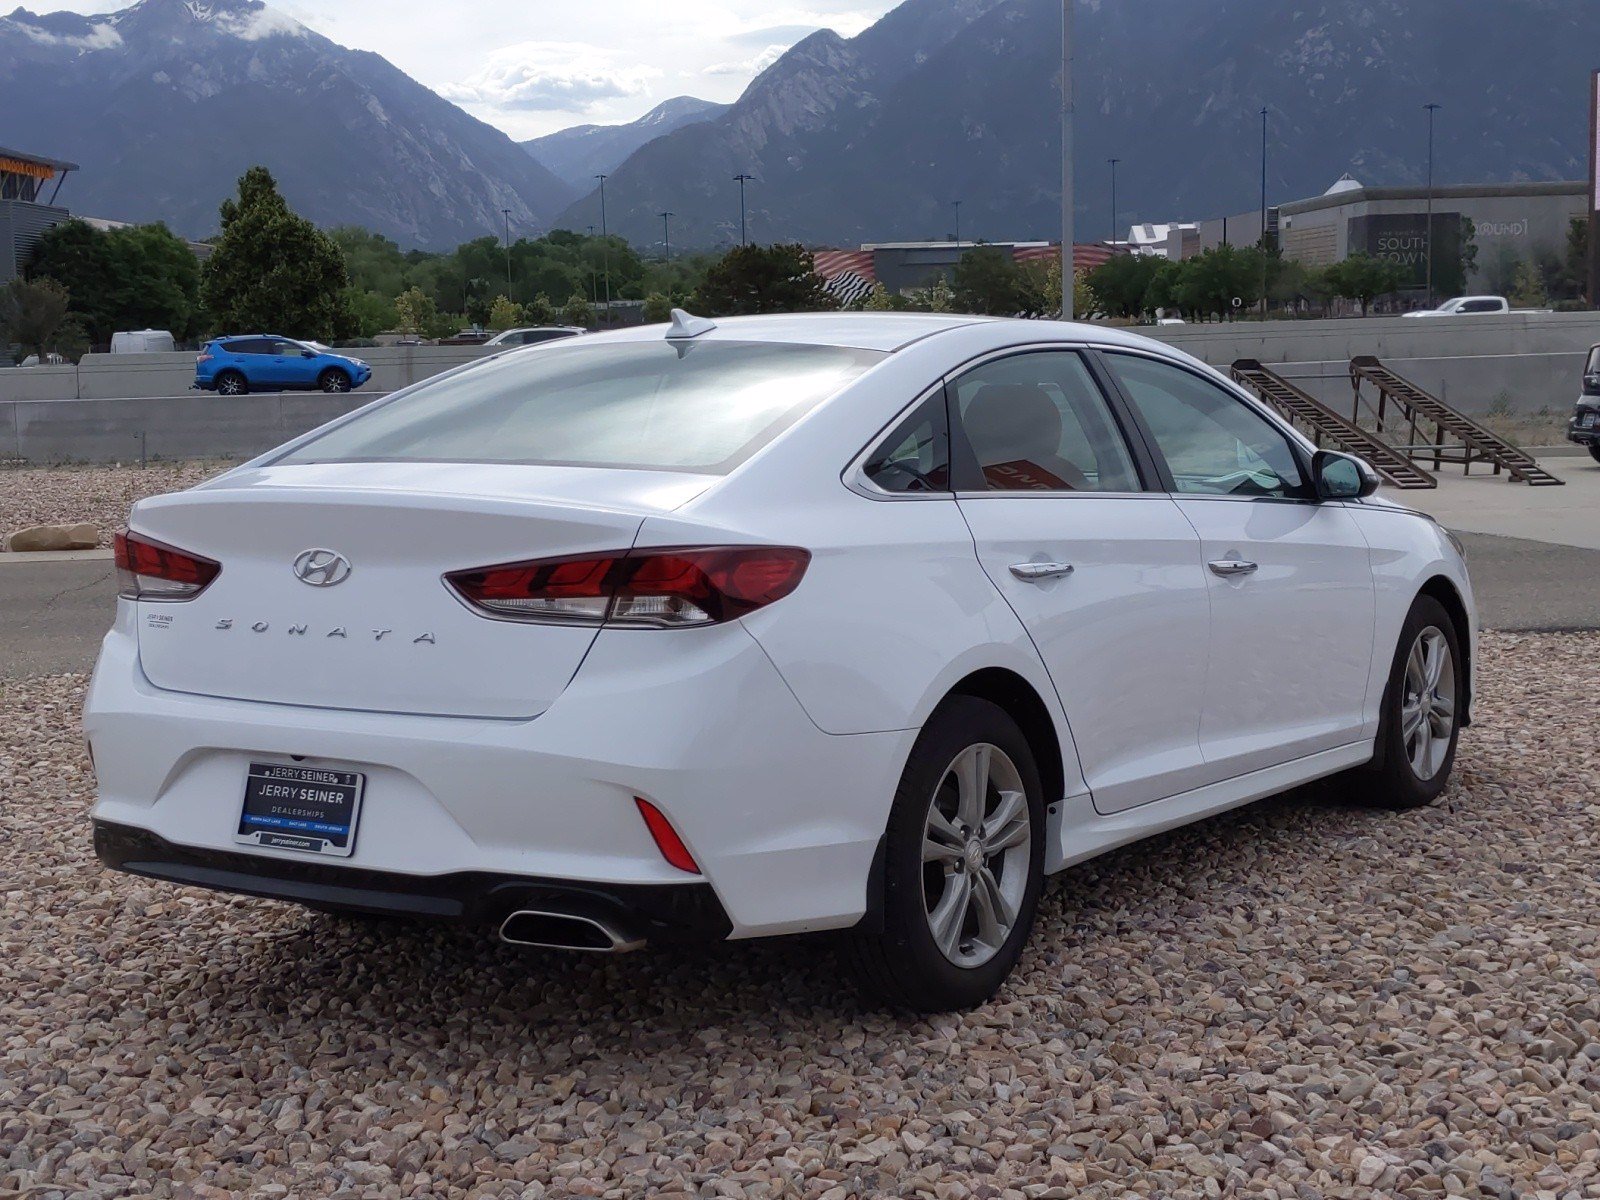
[(266, 362)]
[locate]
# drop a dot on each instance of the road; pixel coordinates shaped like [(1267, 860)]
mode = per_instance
[(54, 613)]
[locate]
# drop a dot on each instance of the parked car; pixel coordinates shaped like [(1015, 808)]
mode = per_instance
[(859, 622), (142, 341), (532, 336), (268, 362), (1584, 427)]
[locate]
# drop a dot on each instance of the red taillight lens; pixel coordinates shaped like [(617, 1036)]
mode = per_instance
[(666, 837), (150, 570), (664, 589)]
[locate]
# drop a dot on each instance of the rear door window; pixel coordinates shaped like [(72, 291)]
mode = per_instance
[(915, 456), (654, 405)]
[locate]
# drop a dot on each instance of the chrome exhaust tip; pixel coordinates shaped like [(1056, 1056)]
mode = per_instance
[(565, 931)]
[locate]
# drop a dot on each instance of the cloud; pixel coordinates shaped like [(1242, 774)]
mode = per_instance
[(263, 23), (550, 76), (100, 36), (752, 66)]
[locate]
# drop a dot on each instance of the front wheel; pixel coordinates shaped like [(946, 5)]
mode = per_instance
[(1421, 711), (334, 380), (963, 864), (1594, 451)]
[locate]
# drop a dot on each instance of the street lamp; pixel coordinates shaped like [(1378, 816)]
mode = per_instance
[(1432, 108), (1264, 249), (594, 282), (666, 237), (1113, 162), (1067, 263), (605, 243), (741, 178), (956, 204), (507, 213)]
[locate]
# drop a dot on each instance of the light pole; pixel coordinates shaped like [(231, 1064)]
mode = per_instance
[(1264, 259), (1066, 161), (594, 282), (507, 213), (956, 204), (1113, 162), (1432, 108), (741, 179), (666, 237), (605, 241)]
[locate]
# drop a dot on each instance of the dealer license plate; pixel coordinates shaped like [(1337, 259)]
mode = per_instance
[(311, 809)]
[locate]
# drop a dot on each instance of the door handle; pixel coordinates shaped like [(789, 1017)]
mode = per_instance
[(1229, 567), (1037, 572)]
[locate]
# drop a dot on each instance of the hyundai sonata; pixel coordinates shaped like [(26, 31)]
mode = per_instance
[(773, 624)]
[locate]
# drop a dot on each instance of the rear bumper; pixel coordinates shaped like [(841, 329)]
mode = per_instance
[(648, 912), (783, 819)]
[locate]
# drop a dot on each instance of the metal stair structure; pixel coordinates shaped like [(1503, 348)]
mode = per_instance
[(1325, 425), (1455, 437)]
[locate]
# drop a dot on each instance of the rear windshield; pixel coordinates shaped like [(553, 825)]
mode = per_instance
[(702, 407)]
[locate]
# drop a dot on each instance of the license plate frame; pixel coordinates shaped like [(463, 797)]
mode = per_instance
[(290, 806)]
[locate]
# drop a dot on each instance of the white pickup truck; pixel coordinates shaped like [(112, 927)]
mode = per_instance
[(1463, 306)]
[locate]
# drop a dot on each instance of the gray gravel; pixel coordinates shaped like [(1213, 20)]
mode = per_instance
[(1300, 1000), (102, 495)]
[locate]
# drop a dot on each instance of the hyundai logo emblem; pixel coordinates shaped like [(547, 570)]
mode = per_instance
[(321, 568)]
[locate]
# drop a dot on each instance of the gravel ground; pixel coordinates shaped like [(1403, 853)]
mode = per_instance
[(64, 495), (1299, 1000)]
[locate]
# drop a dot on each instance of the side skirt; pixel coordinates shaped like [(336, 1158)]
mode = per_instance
[(1082, 833)]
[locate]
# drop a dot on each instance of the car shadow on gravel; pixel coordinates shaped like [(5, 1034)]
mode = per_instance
[(434, 980)]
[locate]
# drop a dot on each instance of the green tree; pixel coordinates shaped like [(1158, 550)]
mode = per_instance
[(539, 310), (374, 313), (33, 313), (273, 270), (503, 314), (1363, 279), (763, 279), (1577, 257), (1528, 289), (988, 280), (1121, 284), (657, 308), (877, 300), (578, 310), (375, 263), (138, 277), (940, 298), (415, 310)]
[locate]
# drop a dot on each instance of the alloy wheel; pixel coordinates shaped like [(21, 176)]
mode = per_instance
[(1428, 703), (335, 382), (976, 845), (229, 386)]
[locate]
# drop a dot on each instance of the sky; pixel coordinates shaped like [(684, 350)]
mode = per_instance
[(531, 67)]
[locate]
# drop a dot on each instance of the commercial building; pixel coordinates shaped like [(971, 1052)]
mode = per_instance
[(29, 186), (1508, 223), (912, 266)]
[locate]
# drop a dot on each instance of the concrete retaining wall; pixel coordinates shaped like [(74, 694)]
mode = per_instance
[(98, 411)]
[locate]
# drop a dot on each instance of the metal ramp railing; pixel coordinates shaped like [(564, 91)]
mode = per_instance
[(1455, 437), (1323, 424)]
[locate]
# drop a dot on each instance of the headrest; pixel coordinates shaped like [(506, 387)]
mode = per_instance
[(1010, 421)]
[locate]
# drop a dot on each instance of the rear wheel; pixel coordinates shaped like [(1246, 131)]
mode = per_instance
[(334, 380), (963, 865), (232, 383), (1421, 711)]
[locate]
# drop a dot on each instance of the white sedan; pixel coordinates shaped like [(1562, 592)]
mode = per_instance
[(775, 624)]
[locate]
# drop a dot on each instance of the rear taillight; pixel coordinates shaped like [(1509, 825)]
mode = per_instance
[(200, 358), (151, 570), (662, 589)]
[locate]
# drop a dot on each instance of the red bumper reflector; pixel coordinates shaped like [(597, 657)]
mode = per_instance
[(667, 839)]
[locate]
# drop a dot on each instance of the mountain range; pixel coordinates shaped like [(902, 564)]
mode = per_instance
[(869, 138), (165, 104), (872, 138), (579, 153)]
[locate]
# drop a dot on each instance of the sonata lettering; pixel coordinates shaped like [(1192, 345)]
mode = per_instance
[(339, 631)]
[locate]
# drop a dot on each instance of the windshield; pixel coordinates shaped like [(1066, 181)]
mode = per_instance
[(654, 405)]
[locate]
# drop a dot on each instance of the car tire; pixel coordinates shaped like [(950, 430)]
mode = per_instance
[(1594, 451), (232, 383), (1422, 708), (927, 948), (333, 381)]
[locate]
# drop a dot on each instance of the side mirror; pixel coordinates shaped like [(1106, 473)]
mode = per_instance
[(1342, 476), (308, 354)]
